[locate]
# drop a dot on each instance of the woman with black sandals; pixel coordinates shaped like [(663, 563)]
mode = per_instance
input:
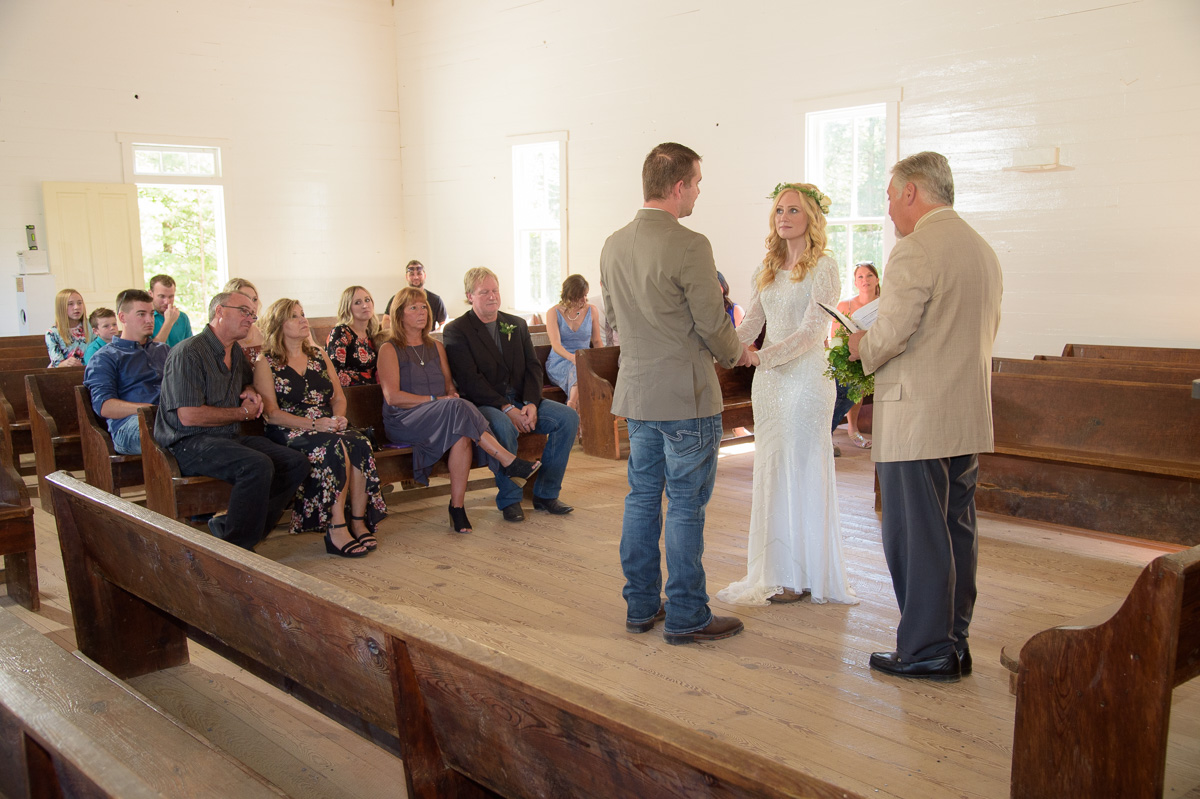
[(422, 410)]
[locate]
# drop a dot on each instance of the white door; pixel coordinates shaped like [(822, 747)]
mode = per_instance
[(94, 239)]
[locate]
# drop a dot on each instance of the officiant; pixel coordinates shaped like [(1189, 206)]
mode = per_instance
[(930, 350)]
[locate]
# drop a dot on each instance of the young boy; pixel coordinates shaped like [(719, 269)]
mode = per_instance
[(104, 327)]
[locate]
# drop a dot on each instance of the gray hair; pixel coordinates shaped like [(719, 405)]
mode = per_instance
[(476, 275), (930, 172), (220, 299)]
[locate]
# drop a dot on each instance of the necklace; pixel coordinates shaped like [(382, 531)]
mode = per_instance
[(578, 313), (417, 353)]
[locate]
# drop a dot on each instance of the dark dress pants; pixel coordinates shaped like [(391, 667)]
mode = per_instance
[(257, 468), (929, 540)]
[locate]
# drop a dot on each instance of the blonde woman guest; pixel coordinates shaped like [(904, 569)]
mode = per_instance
[(71, 334), (795, 544), (423, 410), (866, 281), (252, 344), (351, 344), (305, 408), (572, 325)]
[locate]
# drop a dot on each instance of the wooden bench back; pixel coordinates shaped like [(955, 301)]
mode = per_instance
[(466, 717), (1094, 702), (25, 351), (104, 466), (14, 412), (319, 328), (599, 428), (1151, 354), (1132, 421), (68, 730), (53, 423), (168, 491), (1098, 369), (27, 362), (7, 342)]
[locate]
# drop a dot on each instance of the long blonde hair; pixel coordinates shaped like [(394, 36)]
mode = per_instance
[(62, 322), (776, 257), (272, 322), (346, 316), (404, 297)]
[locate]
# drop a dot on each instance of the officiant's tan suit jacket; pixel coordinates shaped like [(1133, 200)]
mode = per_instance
[(931, 345), (662, 297)]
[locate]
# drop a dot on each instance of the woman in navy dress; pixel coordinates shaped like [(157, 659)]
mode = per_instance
[(305, 409), (422, 410)]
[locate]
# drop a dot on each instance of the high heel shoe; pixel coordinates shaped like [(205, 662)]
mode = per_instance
[(367, 539), (351, 549), (459, 521), (520, 470), (860, 440)]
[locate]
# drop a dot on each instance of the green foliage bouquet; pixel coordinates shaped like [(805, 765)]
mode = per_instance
[(845, 371)]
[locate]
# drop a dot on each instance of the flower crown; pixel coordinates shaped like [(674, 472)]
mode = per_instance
[(821, 199)]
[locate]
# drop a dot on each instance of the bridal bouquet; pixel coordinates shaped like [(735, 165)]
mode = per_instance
[(845, 371)]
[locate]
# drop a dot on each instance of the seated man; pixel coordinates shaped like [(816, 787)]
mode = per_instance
[(127, 374), (171, 325), (492, 361), (207, 392)]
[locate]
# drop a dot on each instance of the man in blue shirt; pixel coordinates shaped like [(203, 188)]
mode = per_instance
[(127, 374), (171, 325)]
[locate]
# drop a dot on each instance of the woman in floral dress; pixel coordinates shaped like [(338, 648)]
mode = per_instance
[(304, 407), (351, 345)]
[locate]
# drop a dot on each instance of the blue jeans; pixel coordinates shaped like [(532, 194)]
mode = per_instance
[(555, 420), (680, 457), (128, 440)]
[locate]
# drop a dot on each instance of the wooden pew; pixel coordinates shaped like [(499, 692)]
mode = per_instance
[(7, 342), (69, 730), (319, 328), (1161, 355), (466, 719), (18, 543), (168, 491), (605, 436), (1118, 457), (36, 351), (14, 413), (105, 468), (54, 424), (1094, 697), (1098, 369), (549, 390), (27, 362)]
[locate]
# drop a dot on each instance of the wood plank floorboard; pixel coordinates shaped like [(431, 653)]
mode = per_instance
[(794, 687)]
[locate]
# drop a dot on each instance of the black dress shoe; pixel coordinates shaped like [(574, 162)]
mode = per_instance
[(720, 627), (551, 506), (964, 662), (944, 668), (646, 626), (513, 513)]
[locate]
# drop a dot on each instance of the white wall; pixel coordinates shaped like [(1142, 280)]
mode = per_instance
[(1103, 253), (303, 93)]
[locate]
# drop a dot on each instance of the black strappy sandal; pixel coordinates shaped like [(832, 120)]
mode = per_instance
[(459, 521), (347, 551), (367, 539)]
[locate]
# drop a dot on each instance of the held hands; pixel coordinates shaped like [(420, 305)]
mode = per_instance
[(252, 405), (852, 344), (330, 424), (745, 359), (524, 419), (74, 360), (754, 359)]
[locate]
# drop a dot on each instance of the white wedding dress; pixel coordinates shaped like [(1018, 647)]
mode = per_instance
[(795, 532)]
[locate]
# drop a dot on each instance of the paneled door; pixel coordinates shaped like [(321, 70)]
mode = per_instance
[(93, 239)]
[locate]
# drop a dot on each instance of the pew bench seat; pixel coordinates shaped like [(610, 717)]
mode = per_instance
[(54, 424), (69, 729), (105, 468)]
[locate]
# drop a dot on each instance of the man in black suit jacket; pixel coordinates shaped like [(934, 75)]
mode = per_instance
[(492, 361)]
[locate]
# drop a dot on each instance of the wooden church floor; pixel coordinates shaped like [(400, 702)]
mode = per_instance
[(794, 686)]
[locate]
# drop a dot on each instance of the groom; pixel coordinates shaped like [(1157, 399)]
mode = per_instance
[(662, 297), (931, 352)]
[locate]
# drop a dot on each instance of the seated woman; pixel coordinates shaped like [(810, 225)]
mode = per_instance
[(572, 325), (736, 314), (303, 406), (252, 344), (71, 334), (422, 410), (866, 281), (351, 344)]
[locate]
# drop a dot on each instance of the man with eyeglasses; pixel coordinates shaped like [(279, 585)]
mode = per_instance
[(127, 374), (414, 272), (207, 392)]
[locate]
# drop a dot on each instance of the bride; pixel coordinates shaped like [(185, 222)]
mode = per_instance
[(795, 545)]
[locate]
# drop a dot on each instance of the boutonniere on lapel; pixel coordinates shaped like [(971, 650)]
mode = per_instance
[(507, 329)]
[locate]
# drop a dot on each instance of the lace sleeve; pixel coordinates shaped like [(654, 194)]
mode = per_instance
[(753, 321), (814, 326)]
